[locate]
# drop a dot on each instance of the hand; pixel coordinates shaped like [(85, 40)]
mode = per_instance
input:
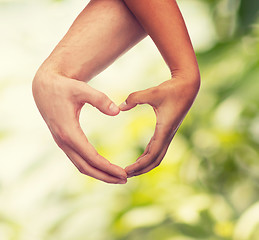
[(59, 100), (171, 101)]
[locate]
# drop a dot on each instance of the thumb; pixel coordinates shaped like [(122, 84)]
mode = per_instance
[(99, 100), (140, 97)]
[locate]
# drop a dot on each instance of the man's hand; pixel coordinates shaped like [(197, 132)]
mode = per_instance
[(59, 100), (171, 101), (103, 31)]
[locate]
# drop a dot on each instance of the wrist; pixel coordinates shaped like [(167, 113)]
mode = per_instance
[(64, 66), (46, 79), (188, 76), (42, 80), (46, 73)]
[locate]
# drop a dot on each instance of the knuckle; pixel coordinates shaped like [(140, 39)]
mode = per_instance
[(140, 165), (154, 91), (150, 154), (152, 157), (64, 137)]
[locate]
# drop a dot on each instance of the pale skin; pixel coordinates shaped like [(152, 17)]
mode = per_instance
[(103, 31)]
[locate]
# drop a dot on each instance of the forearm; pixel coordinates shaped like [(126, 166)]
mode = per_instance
[(163, 21), (172, 99), (102, 32)]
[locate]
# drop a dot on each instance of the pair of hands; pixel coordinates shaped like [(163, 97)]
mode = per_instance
[(60, 100)]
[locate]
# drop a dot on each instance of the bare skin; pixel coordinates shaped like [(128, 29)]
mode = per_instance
[(172, 99), (103, 31)]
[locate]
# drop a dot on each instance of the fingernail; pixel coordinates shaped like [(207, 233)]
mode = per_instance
[(113, 108), (123, 105)]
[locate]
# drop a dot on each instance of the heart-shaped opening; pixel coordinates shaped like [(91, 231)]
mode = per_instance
[(121, 139)]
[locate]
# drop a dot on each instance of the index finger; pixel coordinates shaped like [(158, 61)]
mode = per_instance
[(89, 170), (152, 154), (74, 137)]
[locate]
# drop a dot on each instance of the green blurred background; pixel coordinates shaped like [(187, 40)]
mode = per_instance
[(207, 186)]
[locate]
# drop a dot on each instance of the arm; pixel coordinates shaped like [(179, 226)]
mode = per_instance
[(103, 31), (172, 99)]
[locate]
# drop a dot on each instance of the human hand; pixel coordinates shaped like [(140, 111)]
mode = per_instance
[(60, 100), (171, 101)]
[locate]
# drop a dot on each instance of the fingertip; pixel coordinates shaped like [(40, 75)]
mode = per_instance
[(123, 176), (114, 109), (122, 181), (121, 173), (123, 106)]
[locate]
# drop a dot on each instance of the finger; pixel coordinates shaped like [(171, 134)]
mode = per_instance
[(89, 170), (87, 94), (155, 164), (146, 149), (74, 138), (146, 160), (140, 97), (152, 152)]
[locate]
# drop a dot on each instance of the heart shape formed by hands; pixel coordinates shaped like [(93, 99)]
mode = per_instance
[(121, 138), (60, 100), (170, 106)]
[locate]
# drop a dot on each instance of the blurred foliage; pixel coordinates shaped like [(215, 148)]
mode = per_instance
[(205, 193), (208, 184)]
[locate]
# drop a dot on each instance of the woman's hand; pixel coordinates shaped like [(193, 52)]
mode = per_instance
[(59, 100), (171, 101)]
